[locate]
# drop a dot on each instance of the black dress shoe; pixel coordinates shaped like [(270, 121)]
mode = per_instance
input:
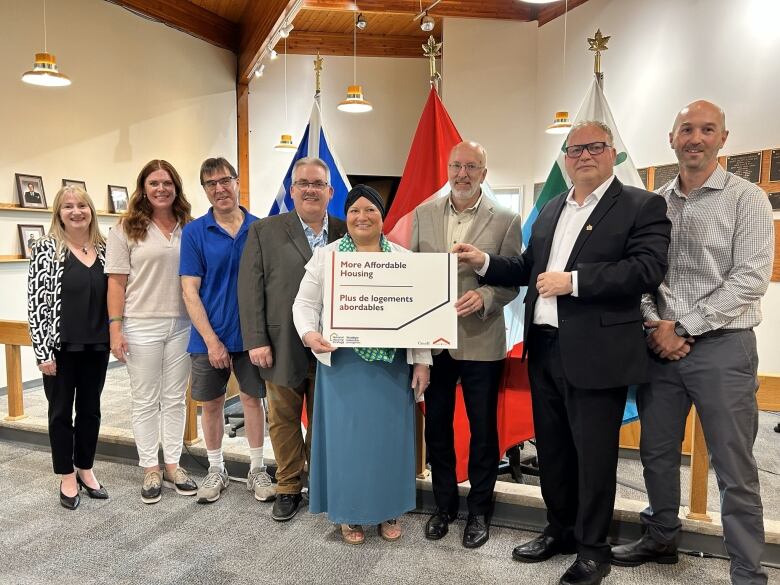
[(542, 548), (285, 507), (438, 525), (585, 572), (97, 494), (69, 502), (644, 550), (477, 531)]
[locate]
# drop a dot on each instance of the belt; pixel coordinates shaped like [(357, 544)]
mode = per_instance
[(720, 332), (545, 329)]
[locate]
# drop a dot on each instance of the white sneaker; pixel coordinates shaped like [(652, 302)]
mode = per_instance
[(213, 485), (259, 481)]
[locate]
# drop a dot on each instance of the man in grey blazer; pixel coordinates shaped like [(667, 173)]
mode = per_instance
[(466, 216), (272, 266)]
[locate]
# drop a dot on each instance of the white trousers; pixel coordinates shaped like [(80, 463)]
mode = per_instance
[(159, 369)]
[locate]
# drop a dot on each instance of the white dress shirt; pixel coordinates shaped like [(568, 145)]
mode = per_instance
[(570, 224)]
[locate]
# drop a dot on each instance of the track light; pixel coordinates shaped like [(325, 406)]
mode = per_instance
[(274, 54), (285, 31), (427, 23), (361, 22), (260, 70)]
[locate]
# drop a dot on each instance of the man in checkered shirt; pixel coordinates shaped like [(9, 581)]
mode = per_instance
[(700, 324)]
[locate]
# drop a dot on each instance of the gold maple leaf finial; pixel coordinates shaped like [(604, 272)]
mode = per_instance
[(432, 49), (597, 44)]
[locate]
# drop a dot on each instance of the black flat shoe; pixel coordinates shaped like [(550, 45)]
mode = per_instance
[(438, 525), (585, 572), (71, 503), (540, 549), (644, 550), (477, 531), (97, 494)]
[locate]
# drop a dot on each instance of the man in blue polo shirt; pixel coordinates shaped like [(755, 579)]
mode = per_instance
[(211, 250)]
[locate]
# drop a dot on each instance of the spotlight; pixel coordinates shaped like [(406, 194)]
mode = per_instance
[(285, 31), (361, 22), (260, 70), (427, 23), (274, 54)]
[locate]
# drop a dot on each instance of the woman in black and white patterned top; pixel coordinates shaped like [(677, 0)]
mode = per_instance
[(66, 304)]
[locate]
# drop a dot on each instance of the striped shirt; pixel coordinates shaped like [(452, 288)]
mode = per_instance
[(720, 256)]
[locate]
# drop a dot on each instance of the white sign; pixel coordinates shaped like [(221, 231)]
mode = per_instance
[(391, 300)]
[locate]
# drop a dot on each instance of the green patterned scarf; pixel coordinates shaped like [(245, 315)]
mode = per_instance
[(370, 354)]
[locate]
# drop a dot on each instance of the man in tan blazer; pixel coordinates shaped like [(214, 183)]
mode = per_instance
[(466, 216), (272, 266)]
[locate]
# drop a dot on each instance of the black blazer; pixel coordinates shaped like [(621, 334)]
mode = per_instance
[(620, 254)]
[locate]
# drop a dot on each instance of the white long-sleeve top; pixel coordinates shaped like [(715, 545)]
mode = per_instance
[(307, 308)]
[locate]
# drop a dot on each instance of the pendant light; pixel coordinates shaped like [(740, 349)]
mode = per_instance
[(354, 103), (561, 123), (286, 141), (44, 71)]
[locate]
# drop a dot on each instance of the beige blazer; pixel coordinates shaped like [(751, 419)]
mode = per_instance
[(495, 230), (272, 266)]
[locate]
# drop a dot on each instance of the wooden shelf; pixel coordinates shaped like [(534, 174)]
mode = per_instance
[(15, 207)]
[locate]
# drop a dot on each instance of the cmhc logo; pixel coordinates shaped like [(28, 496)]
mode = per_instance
[(440, 341), (336, 338)]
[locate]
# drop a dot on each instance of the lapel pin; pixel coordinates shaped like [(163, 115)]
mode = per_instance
[(588, 228)]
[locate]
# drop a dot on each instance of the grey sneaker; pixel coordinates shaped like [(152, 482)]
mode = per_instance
[(181, 482), (213, 485), (259, 481), (151, 491)]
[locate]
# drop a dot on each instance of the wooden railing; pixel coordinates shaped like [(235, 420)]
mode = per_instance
[(15, 334)]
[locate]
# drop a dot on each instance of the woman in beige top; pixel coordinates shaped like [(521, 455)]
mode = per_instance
[(148, 323)]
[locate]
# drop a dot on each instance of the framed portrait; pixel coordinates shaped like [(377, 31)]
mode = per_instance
[(30, 190), (117, 199), (28, 234), (74, 183)]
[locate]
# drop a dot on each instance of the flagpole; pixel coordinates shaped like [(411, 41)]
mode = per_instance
[(598, 44), (317, 72)]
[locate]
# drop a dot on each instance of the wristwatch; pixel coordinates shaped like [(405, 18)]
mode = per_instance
[(680, 331)]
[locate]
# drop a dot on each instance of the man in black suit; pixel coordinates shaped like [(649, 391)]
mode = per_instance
[(31, 196), (593, 252)]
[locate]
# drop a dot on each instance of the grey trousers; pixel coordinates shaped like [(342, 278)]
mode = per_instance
[(719, 376)]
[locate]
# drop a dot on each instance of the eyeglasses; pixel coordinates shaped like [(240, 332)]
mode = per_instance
[(223, 182), (316, 185), (594, 148), (456, 167)]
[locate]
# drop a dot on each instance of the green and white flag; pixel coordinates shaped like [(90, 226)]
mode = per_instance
[(594, 107)]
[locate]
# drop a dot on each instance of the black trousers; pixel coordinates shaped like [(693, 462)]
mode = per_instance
[(80, 378), (480, 381), (577, 439)]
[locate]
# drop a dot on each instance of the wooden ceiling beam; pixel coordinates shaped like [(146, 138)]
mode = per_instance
[(327, 43), (189, 18), (260, 20), (549, 13), (496, 9)]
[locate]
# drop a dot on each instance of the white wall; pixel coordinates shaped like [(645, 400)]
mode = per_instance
[(373, 143), (489, 71), (663, 55), (140, 90)]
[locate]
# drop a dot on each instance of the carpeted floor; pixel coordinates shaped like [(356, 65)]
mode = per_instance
[(177, 541)]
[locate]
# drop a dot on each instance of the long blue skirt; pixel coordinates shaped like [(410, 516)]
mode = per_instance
[(362, 450)]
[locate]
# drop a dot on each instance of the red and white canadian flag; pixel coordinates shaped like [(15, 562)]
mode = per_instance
[(425, 173)]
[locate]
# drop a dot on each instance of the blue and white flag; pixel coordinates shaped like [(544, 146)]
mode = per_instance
[(315, 143)]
